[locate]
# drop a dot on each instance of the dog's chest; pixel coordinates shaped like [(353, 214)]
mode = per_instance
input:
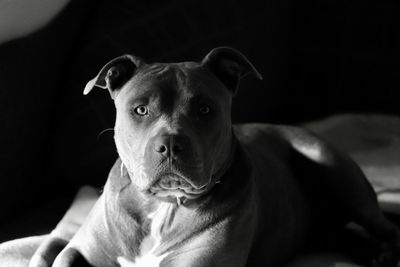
[(151, 253)]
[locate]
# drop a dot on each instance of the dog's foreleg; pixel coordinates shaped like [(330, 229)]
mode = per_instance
[(66, 228)]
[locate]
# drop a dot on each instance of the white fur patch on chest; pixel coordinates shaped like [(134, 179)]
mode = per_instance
[(146, 261), (148, 256)]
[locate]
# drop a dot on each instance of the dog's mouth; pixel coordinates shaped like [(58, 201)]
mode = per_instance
[(173, 187)]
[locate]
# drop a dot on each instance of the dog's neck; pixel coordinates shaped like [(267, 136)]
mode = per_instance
[(226, 165)]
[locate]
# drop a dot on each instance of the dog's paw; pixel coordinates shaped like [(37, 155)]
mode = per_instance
[(47, 252), (71, 257)]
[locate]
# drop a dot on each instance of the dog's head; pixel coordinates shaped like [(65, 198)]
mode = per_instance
[(173, 126)]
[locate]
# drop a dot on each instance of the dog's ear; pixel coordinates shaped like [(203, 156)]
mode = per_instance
[(114, 74), (229, 65)]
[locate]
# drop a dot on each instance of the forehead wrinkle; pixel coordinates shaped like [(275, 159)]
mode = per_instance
[(183, 83), (153, 69), (154, 72), (181, 77), (159, 77), (172, 82)]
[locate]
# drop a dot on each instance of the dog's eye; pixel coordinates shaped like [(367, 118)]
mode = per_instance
[(204, 110), (141, 110)]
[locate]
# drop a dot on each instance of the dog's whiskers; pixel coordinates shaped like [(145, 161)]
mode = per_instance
[(105, 130)]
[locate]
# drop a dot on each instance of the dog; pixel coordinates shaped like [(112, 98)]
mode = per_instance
[(192, 189)]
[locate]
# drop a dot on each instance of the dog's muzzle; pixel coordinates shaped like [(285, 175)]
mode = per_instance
[(174, 167)]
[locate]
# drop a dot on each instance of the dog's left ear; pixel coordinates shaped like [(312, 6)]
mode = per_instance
[(229, 65), (114, 74)]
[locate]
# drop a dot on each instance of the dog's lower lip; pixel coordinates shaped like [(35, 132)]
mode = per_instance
[(172, 181), (175, 184), (176, 193)]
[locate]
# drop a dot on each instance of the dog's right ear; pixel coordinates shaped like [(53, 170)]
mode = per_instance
[(114, 74)]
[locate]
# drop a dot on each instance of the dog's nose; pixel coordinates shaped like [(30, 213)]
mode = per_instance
[(170, 145)]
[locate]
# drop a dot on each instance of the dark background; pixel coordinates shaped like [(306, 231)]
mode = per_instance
[(318, 58)]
